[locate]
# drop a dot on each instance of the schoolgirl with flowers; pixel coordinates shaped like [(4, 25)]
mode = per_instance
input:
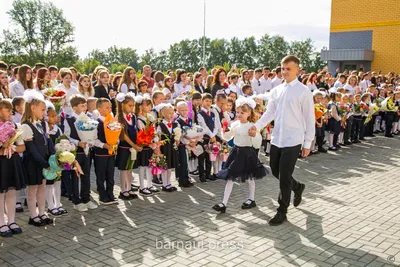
[(39, 147), (243, 163), (12, 173), (127, 148)]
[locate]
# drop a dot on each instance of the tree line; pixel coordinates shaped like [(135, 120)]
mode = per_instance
[(37, 36)]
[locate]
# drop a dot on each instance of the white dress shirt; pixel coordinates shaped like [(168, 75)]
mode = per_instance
[(338, 84), (240, 134), (257, 86), (67, 129), (16, 89), (267, 83), (364, 85), (291, 105), (234, 88), (276, 81), (16, 118), (179, 88), (312, 86)]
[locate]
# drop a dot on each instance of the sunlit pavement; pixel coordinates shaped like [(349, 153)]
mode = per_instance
[(349, 217)]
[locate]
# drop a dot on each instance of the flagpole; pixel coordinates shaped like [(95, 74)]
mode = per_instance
[(204, 36)]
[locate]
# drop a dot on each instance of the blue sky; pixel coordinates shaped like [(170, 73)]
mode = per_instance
[(159, 23)]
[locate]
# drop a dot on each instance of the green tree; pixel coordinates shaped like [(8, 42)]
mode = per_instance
[(236, 52), (41, 32), (278, 48), (304, 50), (251, 52), (218, 52)]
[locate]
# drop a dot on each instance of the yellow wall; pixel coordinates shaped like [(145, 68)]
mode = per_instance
[(380, 16)]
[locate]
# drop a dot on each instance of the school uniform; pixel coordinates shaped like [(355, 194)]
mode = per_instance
[(167, 130), (84, 161), (37, 152), (206, 119), (355, 131), (183, 170), (12, 173), (101, 91), (145, 155), (104, 165), (363, 126), (54, 134), (123, 152)]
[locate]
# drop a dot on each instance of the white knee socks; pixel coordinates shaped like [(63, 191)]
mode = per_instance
[(57, 194), (50, 196), (228, 191), (252, 189)]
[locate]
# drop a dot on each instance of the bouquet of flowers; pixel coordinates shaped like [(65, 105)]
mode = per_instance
[(57, 97), (372, 110), (189, 94), (194, 132), (177, 136), (146, 135), (112, 130), (343, 109), (225, 150), (87, 130), (379, 101), (357, 108), (388, 105), (8, 135), (62, 160), (319, 111), (213, 150), (364, 107), (158, 164)]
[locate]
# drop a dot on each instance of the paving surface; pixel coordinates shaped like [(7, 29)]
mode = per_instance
[(350, 216)]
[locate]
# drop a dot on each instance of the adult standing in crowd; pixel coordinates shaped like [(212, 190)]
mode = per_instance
[(219, 80), (291, 107), (147, 77), (278, 78), (266, 80)]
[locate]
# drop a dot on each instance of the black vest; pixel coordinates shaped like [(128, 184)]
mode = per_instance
[(53, 137), (131, 131), (183, 123), (166, 134), (74, 134), (40, 141), (220, 114), (102, 137), (209, 120)]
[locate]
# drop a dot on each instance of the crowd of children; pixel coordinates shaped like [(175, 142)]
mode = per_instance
[(224, 106)]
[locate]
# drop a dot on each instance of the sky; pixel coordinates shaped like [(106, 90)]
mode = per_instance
[(158, 23)]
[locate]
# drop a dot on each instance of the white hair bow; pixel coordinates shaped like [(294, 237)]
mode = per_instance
[(139, 98), (244, 100), (31, 94), (121, 96), (49, 105), (162, 106)]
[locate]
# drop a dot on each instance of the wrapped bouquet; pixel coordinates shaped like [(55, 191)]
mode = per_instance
[(213, 150), (9, 133), (177, 136), (62, 160), (343, 109), (388, 105), (319, 111), (364, 108), (146, 135), (87, 130), (194, 134), (372, 110), (225, 150), (112, 131), (57, 97), (158, 164)]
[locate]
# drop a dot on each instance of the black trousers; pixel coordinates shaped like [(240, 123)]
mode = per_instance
[(356, 127), (84, 195), (66, 183), (282, 163), (362, 127), (389, 118), (347, 130), (104, 169), (183, 172), (204, 162)]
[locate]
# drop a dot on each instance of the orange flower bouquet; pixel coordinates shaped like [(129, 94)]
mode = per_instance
[(145, 136), (112, 131), (319, 111)]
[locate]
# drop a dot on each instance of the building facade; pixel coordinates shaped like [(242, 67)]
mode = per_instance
[(364, 34)]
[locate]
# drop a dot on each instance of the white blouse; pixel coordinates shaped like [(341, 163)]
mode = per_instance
[(124, 88), (240, 134), (16, 89), (179, 88), (69, 92), (27, 132)]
